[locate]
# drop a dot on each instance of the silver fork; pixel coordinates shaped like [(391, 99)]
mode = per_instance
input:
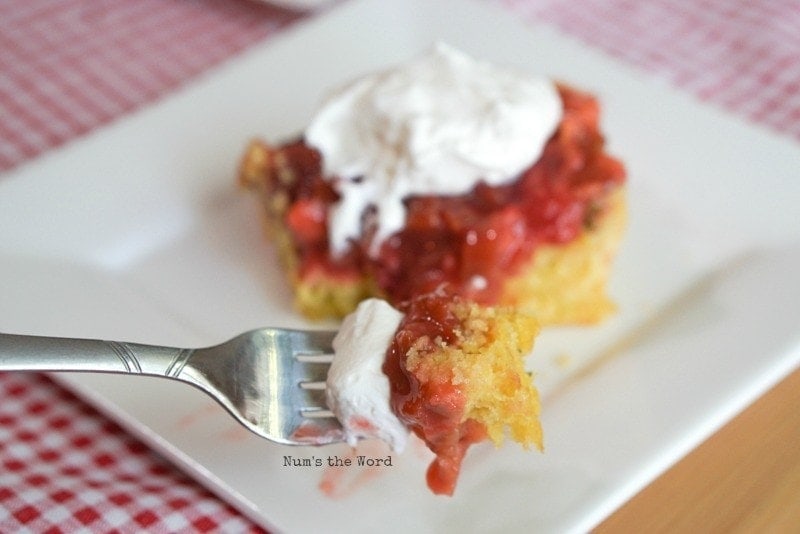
[(271, 380)]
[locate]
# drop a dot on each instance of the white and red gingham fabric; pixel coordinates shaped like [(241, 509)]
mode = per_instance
[(70, 66), (65, 468), (741, 55)]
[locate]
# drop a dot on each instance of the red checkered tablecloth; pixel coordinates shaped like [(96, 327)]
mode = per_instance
[(70, 66), (65, 468), (740, 55)]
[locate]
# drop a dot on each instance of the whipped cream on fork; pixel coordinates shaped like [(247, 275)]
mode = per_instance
[(357, 389)]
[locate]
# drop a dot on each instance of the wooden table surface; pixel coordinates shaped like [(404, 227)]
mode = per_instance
[(745, 478)]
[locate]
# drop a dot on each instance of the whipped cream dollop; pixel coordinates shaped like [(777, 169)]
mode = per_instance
[(438, 124), (357, 389)]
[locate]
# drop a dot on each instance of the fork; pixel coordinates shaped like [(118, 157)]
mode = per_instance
[(271, 380)]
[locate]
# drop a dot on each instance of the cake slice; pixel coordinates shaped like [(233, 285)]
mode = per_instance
[(540, 235), (453, 374)]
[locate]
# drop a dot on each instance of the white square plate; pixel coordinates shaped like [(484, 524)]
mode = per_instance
[(138, 233)]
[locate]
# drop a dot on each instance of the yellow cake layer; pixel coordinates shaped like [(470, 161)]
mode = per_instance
[(487, 363)]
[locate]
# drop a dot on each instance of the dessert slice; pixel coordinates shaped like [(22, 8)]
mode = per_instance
[(454, 375), (447, 170)]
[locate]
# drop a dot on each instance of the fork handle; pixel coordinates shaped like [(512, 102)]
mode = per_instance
[(40, 353)]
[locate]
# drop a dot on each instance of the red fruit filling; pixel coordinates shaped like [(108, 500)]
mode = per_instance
[(432, 408), (472, 242)]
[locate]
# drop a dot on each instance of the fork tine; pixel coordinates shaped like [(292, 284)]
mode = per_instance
[(313, 353), (312, 375), (313, 342), (313, 403)]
